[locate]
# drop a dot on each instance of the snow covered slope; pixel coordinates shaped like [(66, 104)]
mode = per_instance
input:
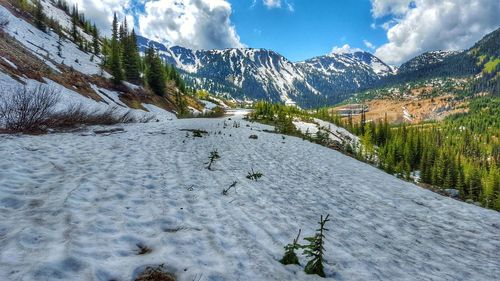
[(425, 60), (30, 56), (49, 47), (79, 207)]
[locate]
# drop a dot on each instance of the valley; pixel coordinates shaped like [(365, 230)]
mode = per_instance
[(198, 157)]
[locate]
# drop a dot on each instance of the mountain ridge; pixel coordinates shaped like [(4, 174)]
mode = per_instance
[(257, 73)]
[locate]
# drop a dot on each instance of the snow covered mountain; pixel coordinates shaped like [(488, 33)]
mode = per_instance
[(264, 74), (336, 76), (425, 60)]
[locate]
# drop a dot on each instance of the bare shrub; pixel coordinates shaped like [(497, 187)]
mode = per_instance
[(27, 109), (76, 115), (33, 110)]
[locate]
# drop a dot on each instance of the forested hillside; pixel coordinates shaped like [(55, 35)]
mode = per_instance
[(60, 43), (458, 157), (461, 153), (483, 59)]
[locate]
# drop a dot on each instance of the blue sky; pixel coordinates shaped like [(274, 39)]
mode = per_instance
[(313, 27), (393, 30)]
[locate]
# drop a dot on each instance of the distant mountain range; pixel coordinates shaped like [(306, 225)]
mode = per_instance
[(245, 73), (253, 74)]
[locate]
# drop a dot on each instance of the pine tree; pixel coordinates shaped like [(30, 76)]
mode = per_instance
[(474, 184), (74, 28), (290, 257), (315, 249), (115, 61), (59, 46), (460, 185), (131, 58), (155, 72), (214, 155), (424, 167), (95, 40), (40, 17)]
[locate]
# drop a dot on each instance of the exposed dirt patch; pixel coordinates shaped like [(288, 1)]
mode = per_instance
[(155, 274), (412, 111)]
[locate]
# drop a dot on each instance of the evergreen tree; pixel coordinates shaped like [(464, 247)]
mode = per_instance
[(290, 256), (74, 29), (155, 72), (131, 58), (115, 60), (95, 40), (40, 17), (315, 249)]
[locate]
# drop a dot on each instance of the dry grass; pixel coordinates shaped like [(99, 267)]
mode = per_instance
[(33, 111), (155, 274)]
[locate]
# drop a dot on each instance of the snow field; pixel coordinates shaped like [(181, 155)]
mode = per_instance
[(75, 207)]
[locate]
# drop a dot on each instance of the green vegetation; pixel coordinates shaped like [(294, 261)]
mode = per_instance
[(491, 65), (278, 115), (120, 54), (429, 88), (217, 112), (290, 257), (462, 152), (255, 176), (214, 155), (115, 63), (315, 249)]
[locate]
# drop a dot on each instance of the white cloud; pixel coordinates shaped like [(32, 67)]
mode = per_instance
[(272, 3), (196, 24), (101, 11), (390, 7), (426, 25), (369, 44), (346, 49)]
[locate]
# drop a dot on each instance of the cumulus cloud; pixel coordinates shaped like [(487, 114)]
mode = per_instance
[(390, 7), (101, 11), (196, 24), (346, 49), (426, 25)]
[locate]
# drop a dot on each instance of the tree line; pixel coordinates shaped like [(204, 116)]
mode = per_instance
[(120, 53), (462, 152)]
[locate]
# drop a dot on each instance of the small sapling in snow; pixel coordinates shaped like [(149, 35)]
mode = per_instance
[(225, 191), (253, 175), (214, 155), (315, 249), (290, 257)]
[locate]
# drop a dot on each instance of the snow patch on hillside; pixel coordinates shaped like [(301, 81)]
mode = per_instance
[(46, 47)]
